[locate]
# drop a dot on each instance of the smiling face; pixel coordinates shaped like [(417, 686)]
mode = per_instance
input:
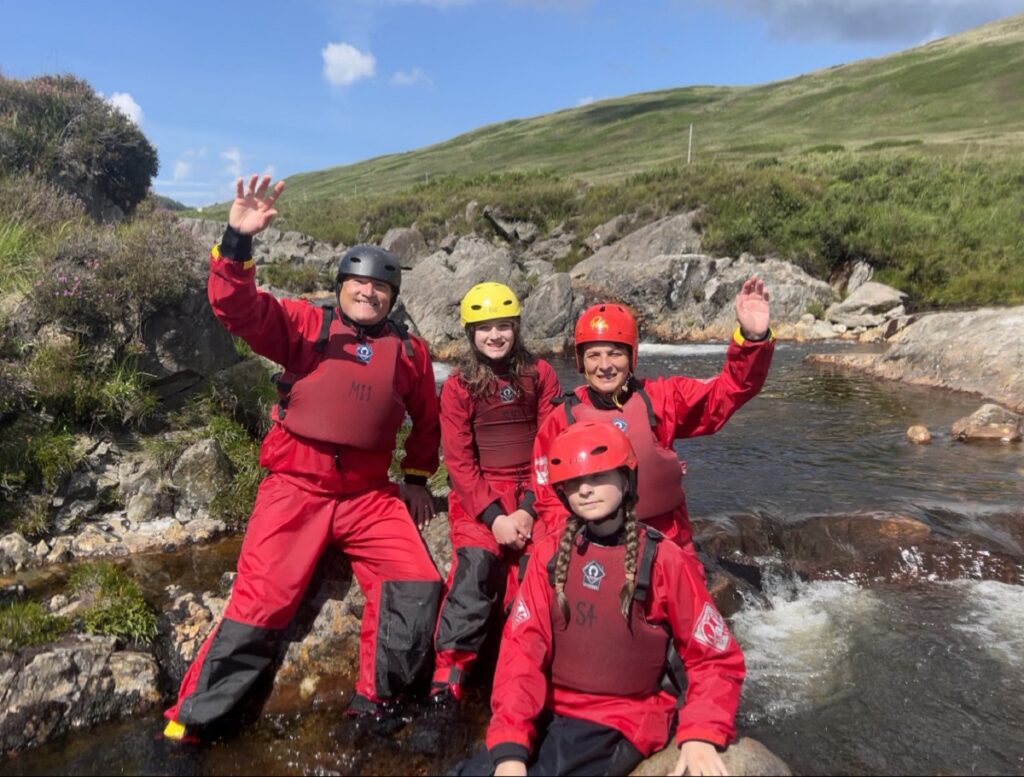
[(365, 301), (494, 339), (606, 366), (597, 496)]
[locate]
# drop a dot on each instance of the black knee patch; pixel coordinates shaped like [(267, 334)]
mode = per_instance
[(476, 589), (405, 625)]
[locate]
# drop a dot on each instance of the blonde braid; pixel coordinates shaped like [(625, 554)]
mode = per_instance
[(572, 526), (632, 530)]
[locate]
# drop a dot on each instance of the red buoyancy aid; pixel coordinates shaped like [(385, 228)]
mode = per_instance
[(349, 398), (505, 424), (659, 471), (598, 651)]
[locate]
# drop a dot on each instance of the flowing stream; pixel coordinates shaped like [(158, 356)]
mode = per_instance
[(909, 678)]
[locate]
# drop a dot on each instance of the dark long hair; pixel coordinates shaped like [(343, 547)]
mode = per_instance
[(477, 372)]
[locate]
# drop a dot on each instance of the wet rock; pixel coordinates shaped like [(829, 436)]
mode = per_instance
[(871, 304), (919, 435), (93, 542), (60, 551), (182, 628), (73, 684), (989, 423), (406, 243), (15, 553), (746, 756), (12, 592), (980, 351), (200, 473)]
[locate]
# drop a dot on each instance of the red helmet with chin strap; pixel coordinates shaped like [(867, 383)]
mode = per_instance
[(607, 322), (586, 448)]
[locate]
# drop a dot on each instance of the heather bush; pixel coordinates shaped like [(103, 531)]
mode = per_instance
[(59, 129)]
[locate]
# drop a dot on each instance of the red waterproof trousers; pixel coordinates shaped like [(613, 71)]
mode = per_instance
[(289, 529)]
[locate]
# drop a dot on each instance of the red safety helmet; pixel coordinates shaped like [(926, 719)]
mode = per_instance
[(607, 322), (587, 448)]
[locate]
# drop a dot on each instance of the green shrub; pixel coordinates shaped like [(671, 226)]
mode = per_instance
[(58, 128), (296, 278), (816, 309), (114, 602), (28, 623), (107, 279)]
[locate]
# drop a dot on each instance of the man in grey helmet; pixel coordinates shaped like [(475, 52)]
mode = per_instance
[(350, 376)]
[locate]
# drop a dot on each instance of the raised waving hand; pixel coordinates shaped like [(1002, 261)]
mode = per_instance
[(253, 208)]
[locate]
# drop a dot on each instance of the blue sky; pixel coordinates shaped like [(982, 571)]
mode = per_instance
[(222, 88)]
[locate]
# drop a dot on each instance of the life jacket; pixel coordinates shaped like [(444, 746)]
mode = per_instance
[(505, 424), (349, 397), (598, 651), (659, 471)]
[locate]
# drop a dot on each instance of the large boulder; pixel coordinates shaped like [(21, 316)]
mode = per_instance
[(979, 351), (73, 684), (871, 304), (744, 757), (549, 314), (272, 246), (406, 243), (989, 423), (200, 473), (671, 235), (15, 553)]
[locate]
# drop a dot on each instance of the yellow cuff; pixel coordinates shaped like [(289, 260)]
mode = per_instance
[(739, 339), (420, 472), (215, 253), (174, 730)]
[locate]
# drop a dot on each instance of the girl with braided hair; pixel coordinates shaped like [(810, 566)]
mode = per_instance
[(578, 689)]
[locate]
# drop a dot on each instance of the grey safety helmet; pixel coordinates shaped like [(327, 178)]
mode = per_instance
[(372, 262)]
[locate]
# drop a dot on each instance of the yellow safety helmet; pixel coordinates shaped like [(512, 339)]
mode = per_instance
[(487, 301)]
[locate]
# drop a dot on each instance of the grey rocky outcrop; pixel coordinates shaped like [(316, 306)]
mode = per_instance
[(15, 553), (672, 235), (989, 423), (871, 304), (979, 351), (690, 296), (73, 684), (549, 314), (200, 473), (513, 228), (272, 246)]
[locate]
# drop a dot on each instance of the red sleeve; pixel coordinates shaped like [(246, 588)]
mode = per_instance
[(421, 446), (713, 660), (703, 406), (280, 330), (459, 450), (521, 679), (548, 388)]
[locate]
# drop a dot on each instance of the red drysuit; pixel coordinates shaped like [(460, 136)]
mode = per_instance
[(355, 382), (488, 443)]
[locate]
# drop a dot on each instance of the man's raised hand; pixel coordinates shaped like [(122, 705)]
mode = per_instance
[(253, 208), (752, 310)]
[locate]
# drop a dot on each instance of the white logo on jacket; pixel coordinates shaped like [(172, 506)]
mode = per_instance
[(508, 394), (364, 352), (711, 629), (540, 468), (520, 613)]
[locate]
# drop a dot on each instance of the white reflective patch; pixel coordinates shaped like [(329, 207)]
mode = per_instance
[(520, 614), (711, 629), (593, 574), (540, 468)]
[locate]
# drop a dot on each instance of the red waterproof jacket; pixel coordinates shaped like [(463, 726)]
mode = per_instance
[(684, 406), (677, 599), (471, 481), (285, 331)]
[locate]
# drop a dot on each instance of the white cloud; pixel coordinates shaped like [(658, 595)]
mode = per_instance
[(126, 104), (411, 78), (182, 170), (233, 157), (270, 170), (345, 64), (872, 20)]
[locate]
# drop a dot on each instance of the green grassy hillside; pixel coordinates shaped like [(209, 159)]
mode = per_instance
[(962, 94)]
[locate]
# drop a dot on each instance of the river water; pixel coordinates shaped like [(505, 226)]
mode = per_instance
[(910, 678)]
